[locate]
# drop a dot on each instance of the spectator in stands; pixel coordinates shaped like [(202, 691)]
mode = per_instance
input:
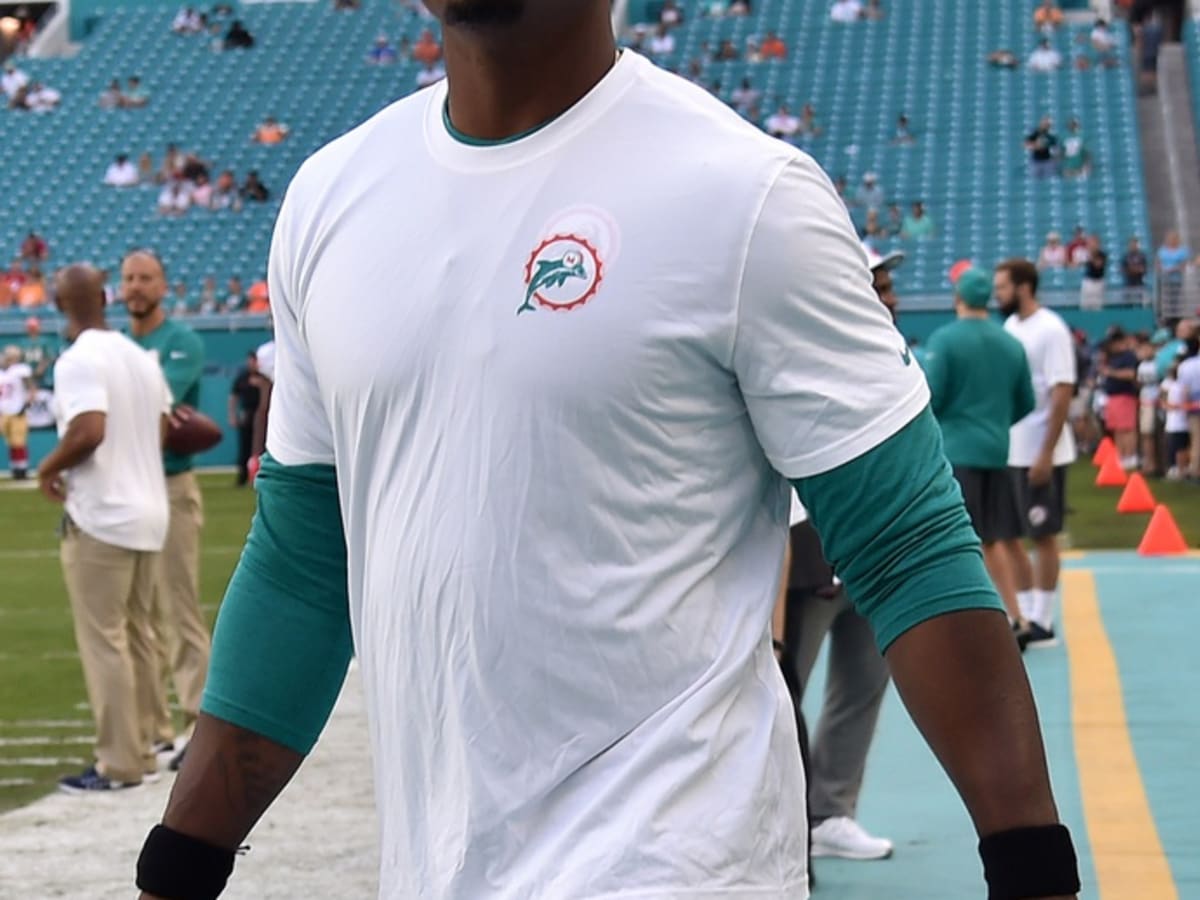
[(773, 47), (34, 248), (1174, 400), (145, 166), (427, 49), (1044, 58), (846, 11), (175, 198), (1095, 267), (225, 193), (270, 132), (903, 136), (1148, 35), (33, 292), (172, 165), (745, 96), (346, 5), (39, 352), (238, 38), (1048, 16), (1104, 43), (235, 296), (121, 173), (258, 300), (1119, 372), (14, 278), (253, 189), (36, 97), (727, 52), (181, 299), (870, 194), (895, 219), (782, 124), (739, 8), (112, 97), (382, 53), (874, 11), (662, 43), (1054, 253), (430, 73), (1172, 259), (208, 297), (808, 121), (136, 96), (1077, 252), (841, 184), (187, 21), (1042, 144), (12, 80), (872, 231), (1133, 268), (1077, 160), (917, 224), (670, 15), (1003, 59), (202, 192)]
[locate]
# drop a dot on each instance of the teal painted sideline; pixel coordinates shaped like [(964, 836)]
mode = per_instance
[(1152, 617)]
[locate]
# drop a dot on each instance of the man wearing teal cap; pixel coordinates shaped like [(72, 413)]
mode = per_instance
[(981, 385)]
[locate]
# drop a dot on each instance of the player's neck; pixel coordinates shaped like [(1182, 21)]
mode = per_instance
[(1028, 309), (144, 326), (502, 88)]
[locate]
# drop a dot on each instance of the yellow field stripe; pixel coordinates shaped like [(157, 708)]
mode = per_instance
[(1128, 855)]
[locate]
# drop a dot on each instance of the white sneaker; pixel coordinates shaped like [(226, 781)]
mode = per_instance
[(845, 838)]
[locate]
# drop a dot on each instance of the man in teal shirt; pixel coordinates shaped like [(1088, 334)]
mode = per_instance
[(182, 633), (981, 385)]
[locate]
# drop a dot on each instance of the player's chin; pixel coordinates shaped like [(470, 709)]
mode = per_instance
[(480, 13)]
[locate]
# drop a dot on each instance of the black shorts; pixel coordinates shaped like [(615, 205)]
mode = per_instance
[(1043, 509), (1177, 442), (991, 503)]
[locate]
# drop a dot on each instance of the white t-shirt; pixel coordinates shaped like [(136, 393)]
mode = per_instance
[(1045, 59), (662, 44), (119, 494), (1053, 256), (1147, 374), (783, 124), (121, 174), (1103, 39), (14, 388), (11, 82), (559, 444), (1189, 377), (846, 11), (1051, 352), (177, 199), (1176, 394)]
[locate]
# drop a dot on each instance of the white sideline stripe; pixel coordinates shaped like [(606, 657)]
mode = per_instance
[(49, 655), (15, 782), (45, 739), (45, 723), (53, 553), (42, 761)]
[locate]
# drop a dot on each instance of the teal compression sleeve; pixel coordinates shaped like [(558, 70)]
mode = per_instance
[(282, 641), (893, 525)]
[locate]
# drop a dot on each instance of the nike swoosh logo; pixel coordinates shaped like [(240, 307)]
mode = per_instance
[(178, 354), (906, 356)]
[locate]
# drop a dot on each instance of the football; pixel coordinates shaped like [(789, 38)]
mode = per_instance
[(191, 431)]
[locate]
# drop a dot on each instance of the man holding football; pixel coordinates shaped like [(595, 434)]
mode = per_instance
[(182, 635)]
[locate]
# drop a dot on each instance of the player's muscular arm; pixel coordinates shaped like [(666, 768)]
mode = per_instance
[(893, 524)]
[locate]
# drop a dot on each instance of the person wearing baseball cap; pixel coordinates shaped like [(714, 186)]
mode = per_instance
[(981, 386)]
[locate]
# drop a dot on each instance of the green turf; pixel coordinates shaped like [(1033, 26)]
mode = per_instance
[(40, 678)]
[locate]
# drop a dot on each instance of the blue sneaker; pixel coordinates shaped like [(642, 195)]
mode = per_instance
[(90, 780)]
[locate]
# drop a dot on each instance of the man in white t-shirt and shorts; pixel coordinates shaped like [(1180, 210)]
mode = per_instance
[(1041, 446), (107, 469), (528, 460)]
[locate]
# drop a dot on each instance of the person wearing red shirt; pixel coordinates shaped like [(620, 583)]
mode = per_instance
[(773, 47)]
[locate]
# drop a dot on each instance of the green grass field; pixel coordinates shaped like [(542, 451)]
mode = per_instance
[(44, 722)]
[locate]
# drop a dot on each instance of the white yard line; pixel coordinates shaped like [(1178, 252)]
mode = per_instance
[(39, 740), (15, 782), (318, 841), (45, 723), (42, 761), (52, 553)]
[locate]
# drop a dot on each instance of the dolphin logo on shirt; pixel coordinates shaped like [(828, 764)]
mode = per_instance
[(552, 273)]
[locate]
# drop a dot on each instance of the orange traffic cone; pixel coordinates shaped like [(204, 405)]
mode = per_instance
[(1111, 473), (1104, 450), (1162, 537), (1136, 498)]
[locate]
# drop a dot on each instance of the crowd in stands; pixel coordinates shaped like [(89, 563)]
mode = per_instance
[(186, 182), (26, 94), (219, 26)]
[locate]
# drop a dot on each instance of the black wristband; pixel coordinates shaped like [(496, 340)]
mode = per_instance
[(175, 866), (1025, 863), (780, 647)]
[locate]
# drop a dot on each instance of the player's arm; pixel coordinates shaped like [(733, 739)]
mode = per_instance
[(84, 403), (183, 364), (838, 410)]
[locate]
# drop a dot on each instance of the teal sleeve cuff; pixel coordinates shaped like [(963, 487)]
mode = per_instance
[(893, 526), (282, 642)]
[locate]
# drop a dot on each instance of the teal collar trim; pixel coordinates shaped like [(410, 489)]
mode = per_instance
[(483, 142)]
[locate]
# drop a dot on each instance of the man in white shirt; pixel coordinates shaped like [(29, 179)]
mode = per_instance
[(42, 98), (783, 124), (175, 198), (430, 73), (1041, 447), (16, 391), (663, 42), (545, 497), (846, 11), (1054, 252), (1189, 378), (107, 470), (121, 173), (1044, 58), (12, 80)]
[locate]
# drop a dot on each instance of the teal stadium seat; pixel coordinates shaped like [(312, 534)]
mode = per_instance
[(926, 58)]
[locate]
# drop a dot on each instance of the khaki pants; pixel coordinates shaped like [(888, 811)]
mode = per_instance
[(111, 591), (181, 637)]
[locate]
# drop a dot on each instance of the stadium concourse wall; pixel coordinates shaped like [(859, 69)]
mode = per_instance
[(228, 339)]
